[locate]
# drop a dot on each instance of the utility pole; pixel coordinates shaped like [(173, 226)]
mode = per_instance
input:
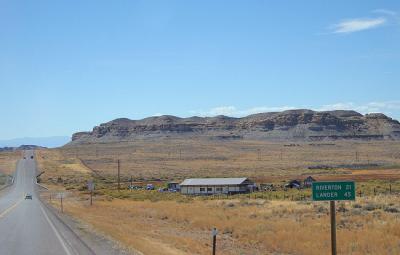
[(131, 182), (119, 178), (357, 156), (90, 186)]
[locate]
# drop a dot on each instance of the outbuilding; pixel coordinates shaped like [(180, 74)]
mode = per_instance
[(308, 181), (211, 186), (173, 186)]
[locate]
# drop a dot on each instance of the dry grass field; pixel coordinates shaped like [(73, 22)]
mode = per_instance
[(263, 223), (246, 226), (262, 161), (8, 161)]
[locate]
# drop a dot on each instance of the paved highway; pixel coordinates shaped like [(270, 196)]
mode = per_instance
[(26, 226)]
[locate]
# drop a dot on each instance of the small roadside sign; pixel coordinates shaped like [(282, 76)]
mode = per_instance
[(214, 232), (333, 191), (90, 185)]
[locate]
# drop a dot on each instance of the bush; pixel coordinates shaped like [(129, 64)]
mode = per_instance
[(371, 207), (391, 209), (322, 209), (342, 208)]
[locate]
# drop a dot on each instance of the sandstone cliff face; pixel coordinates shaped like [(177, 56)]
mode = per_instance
[(287, 125)]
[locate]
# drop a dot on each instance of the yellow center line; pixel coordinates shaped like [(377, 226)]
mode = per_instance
[(10, 208)]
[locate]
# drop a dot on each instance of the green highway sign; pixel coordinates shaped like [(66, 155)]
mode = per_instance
[(333, 191)]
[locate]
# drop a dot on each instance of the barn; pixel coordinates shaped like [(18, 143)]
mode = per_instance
[(211, 186)]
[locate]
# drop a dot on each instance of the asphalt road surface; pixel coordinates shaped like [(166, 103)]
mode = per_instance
[(27, 226)]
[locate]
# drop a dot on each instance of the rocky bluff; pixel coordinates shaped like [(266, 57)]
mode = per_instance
[(287, 125)]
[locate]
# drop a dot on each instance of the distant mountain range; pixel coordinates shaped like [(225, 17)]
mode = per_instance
[(22, 147), (289, 125), (49, 142)]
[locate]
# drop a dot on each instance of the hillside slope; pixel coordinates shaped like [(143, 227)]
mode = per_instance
[(289, 125)]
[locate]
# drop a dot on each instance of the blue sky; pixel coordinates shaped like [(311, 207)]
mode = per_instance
[(66, 66)]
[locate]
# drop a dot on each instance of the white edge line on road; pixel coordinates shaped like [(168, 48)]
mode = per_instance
[(44, 187), (55, 231)]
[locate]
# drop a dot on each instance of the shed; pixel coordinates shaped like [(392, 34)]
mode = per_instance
[(173, 186), (210, 186), (308, 181)]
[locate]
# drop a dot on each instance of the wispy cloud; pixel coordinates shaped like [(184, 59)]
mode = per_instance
[(385, 12), (391, 108), (372, 107), (355, 25), (235, 112)]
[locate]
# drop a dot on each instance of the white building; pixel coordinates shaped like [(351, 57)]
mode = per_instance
[(210, 186)]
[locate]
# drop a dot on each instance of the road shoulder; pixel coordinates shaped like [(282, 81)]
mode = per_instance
[(94, 242)]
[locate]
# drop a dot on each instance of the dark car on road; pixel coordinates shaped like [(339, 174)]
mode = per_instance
[(28, 196)]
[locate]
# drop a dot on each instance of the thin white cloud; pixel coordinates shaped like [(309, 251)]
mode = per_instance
[(385, 12), (235, 112), (355, 25), (255, 110), (223, 110), (390, 108)]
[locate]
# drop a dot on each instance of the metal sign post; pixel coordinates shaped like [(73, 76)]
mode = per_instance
[(333, 227), (61, 201), (333, 191), (91, 189), (214, 235)]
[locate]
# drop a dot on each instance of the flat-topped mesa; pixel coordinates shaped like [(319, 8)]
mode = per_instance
[(300, 124)]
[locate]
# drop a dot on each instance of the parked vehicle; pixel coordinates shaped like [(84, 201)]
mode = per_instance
[(293, 184), (149, 187), (162, 189), (134, 187)]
